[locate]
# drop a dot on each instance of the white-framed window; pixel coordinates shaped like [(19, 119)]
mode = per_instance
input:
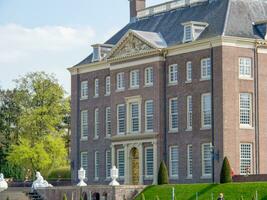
[(173, 74), (96, 87), (108, 163), (149, 76), (189, 161), (120, 81), (189, 113), (84, 124), (121, 122), (96, 123), (206, 160), (134, 79), (245, 110), (149, 115), (96, 165), (121, 162), (206, 110), (108, 85), (188, 33), (84, 89), (188, 71), (245, 68), (205, 69), (173, 114), (108, 121), (245, 158), (174, 162), (134, 117), (84, 161), (149, 164)]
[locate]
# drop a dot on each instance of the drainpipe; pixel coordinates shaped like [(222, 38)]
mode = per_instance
[(165, 153), (212, 113), (256, 97), (77, 125)]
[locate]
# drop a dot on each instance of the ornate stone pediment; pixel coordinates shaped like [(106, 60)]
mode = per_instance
[(131, 45)]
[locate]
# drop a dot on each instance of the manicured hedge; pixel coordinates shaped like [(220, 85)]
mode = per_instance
[(62, 173)]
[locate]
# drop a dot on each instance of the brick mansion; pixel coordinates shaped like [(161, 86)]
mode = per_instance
[(183, 82)]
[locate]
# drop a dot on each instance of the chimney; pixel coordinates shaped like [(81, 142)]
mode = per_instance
[(136, 5)]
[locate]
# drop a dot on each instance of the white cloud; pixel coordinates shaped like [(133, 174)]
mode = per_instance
[(48, 48)]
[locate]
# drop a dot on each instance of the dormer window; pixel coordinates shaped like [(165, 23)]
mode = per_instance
[(192, 30), (100, 51)]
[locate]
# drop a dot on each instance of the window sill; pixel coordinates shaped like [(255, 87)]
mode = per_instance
[(95, 97), (96, 179), (247, 127), (173, 84), (173, 131), (120, 90), (148, 178), (107, 95), (174, 177), (95, 138), (84, 139), (134, 88), (188, 82), (189, 177), (148, 85), (205, 128), (83, 98), (204, 79), (188, 129), (108, 137), (205, 177), (246, 78)]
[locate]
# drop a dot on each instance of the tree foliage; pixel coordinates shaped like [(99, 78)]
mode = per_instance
[(163, 177), (226, 175), (43, 109)]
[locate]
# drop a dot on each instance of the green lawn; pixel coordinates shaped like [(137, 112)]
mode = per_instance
[(232, 191)]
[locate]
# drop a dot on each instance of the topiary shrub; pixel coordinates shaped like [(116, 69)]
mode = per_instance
[(65, 197), (63, 173), (163, 177), (226, 175)]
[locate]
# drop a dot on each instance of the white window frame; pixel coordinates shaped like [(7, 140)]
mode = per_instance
[(108, 121), (248, 170), (118, 162), (203, 160), (245, 66), (83, 164), (120, 82), (171, 129), (149, 116), (151, 162), (189, 161), (96, 175), (186, 28), (135, 118), (84, 136), (84, 90), (134, 79), (118, 120), (173, 74), (96, 123), (108, 164), (107, 85), (203, 125), (250, 110), (188, 72), (189, 109), (205, 69), (173, 176), (96, 88), (149, 76)]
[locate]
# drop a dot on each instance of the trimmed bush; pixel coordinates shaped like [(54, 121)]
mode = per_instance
[(63, 173), (65, 197), (163, 174), (226, 175)]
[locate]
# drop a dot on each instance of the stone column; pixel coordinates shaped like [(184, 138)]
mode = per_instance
[(141, 176), (113, 153), (155, 160), (126, 164)]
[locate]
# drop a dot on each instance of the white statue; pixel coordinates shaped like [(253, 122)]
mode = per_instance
[(81, 177), (114, 173), (3, 183), (40, 182)]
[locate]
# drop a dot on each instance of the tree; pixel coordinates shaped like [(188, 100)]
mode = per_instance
[(43, 108), (65, 197), (226, 176), (163, 174)]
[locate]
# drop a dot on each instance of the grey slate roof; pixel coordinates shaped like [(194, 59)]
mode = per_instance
[(225, 17), (155, 39)]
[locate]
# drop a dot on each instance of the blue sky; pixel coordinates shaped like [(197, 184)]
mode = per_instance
[(51, 35)]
